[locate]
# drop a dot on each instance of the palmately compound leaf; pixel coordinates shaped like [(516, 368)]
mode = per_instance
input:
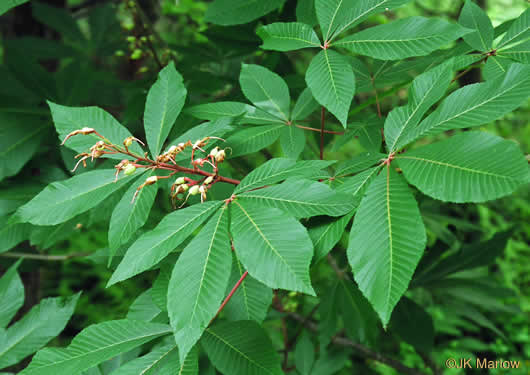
[(468, 167), (270, 255), (253, 139), (198, 282), (413, 36), (129, 216), (236, 12), (475, 18), (241, 348), (288, 36), (292, 141), (305, 105), (478, 104), (336, 16), (155, 245), (164, 103), (332, 82), (160, 360), (69, 119), (250, 301), (301, 198), (327, 234), (95, 345), (426, 89), (518, 33), (386, 242), (62, 200), (266, 90), (11, 294), (238, 112), (279, 169), (44, 321)]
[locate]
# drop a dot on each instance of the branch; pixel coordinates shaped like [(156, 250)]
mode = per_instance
[(344, 342), (322, 125), (318, 130), (230, 295), (44, 257)]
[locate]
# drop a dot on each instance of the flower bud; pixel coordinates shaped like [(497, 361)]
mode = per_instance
[(220, 157), (214, 151), (180, 181), (172, 149), (128, 141), (184, 187), (208, 180), (151, 180), (129, 169), (137, 54), (194, 190)]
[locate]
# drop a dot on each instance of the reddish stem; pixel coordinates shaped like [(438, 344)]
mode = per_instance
[(322, 124), (234, 289)]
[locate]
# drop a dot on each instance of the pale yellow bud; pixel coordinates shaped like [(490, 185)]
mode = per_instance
[(194, 190)]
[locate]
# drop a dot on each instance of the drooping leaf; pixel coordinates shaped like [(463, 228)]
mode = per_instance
[(520, 52), (35, 329), (155, 245), (261, 244), (336, 16), (304, 355), (496, 67), (332, 82), (20, 137), (241, 348), (301, 198), (413, 36), (251, 300), (69, 119), (327, 234), (191, 363), (478, 104), (129, 215), (93, 346), (11, 294), (288, 36), (266, 90), (330, 362), (413, 325), (475, 18), (236, 12), (468, 167), (426, 89), (279, 169), (216, 111), (369, 135), (358, 163), (253, 139), (164, 103), (357, 185), (161, 360), (143, 308), (62, 200), (197, 284), (159, 290), (518, 33), (305, 12), (6, 5), (11, 234), (292, 141), (15, 196), (305, 105), (386, 242)]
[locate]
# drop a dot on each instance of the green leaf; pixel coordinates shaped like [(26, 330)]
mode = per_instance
[(11, 294), (191, 363), (250, 114), (266, 90), (129, 216), (164, 103), (236, 12), (331, 80), (496, 67), (62, 200), (143, 308), (260, 241), (519, 32), (251, 300), (304, 355), (279, 169), (199, 279), (475, 18), (413, 325), (241, 348), (161, 360), (358, 163), (369, 135), (288, 36), (478, 104), (15, 196), (20, 138), (6, 5), (292, 141), (327, 234), (301, 198), (357, 185), (386, 242), (11, 234), (468, 167), (155, 245), (253, 139), (413, 36), (305, 12), (426, 90), (330, 362), (35, 329), (159, 290), (336, 16), (305, 105), (58, 19), (69, 119), (520, 52), (95, 345)]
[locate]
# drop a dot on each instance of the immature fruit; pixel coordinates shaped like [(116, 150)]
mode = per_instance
[(194, 190), (129, 169), (180, 181), (209, 180)]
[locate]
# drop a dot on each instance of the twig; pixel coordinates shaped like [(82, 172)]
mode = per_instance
[(322, 125), (44, 257), (230, 295), (318, 130)]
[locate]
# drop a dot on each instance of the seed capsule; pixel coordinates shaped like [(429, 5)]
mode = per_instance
[(194, 190), (129, 169), (180, 181), (209, 180)]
